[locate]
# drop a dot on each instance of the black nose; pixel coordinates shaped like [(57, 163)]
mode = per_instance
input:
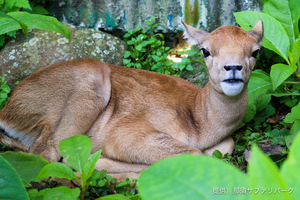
[(233, 67)]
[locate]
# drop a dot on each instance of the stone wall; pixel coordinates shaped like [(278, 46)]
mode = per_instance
[(125, 14)]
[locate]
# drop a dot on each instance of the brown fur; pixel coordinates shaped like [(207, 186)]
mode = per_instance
[(137, 117)]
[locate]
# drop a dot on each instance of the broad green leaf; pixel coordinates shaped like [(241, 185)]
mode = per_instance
[(11, 186), (290, 169), (61, 192), (76, 150), (27, 165), (295, 54), (114, 197), (58, 170), (264, 175), (258, 86), (293, 115), (275, 36), (280, 72), (296, 126), (191, 177), (32, 21), (280, 10), (295, 11), (4, 17), (90, 165)]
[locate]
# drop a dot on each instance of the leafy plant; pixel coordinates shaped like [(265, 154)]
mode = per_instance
[(13, 19), (4, 91), (281, 35), (147, 51), (204, 177), (76, 150)]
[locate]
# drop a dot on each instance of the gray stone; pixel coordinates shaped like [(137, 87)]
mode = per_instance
[(22, 56)]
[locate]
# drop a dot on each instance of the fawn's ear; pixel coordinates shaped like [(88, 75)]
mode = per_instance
[(193, 35), (257, 32)]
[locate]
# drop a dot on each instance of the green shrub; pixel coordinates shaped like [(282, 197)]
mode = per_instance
[(13, 19), (281, 35), (147, 51)]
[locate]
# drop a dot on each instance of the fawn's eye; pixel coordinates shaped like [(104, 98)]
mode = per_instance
[(205, 52), (255, 53)]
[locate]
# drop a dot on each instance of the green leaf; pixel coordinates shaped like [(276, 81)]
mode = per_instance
[(293, 115), (8, 20), (114, 197), (61, 192), (290, 169), (264, 174), (127, 54), (275, 36), (77, 150), (295, 54), (58, 170), (258, 86), (280, 72), (27, 165), (139, 47), (18, 3), (39, 10), (217, 154), (295, 11), (189, 67), (90, 165), (32, 21), (11, 186), (280, 10), (192, 177)]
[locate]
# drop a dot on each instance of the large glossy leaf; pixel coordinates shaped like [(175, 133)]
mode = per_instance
[(27, 165), (11, 186), (191, 177), (58, 170), (76, 150), (280, 72), (275, 36), (32, 21), (290, 169), (265, 178), (280, 10)]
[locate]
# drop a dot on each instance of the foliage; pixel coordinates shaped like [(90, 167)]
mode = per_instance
[(13, 17), (27, 166), (4, 91), (76, 150), (281, 35), (147, 51), (204, 177), (11, 183)]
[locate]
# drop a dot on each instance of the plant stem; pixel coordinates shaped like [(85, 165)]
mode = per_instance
[(292, 82)]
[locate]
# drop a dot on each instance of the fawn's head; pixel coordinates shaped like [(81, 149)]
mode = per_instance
[(229, 53)]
